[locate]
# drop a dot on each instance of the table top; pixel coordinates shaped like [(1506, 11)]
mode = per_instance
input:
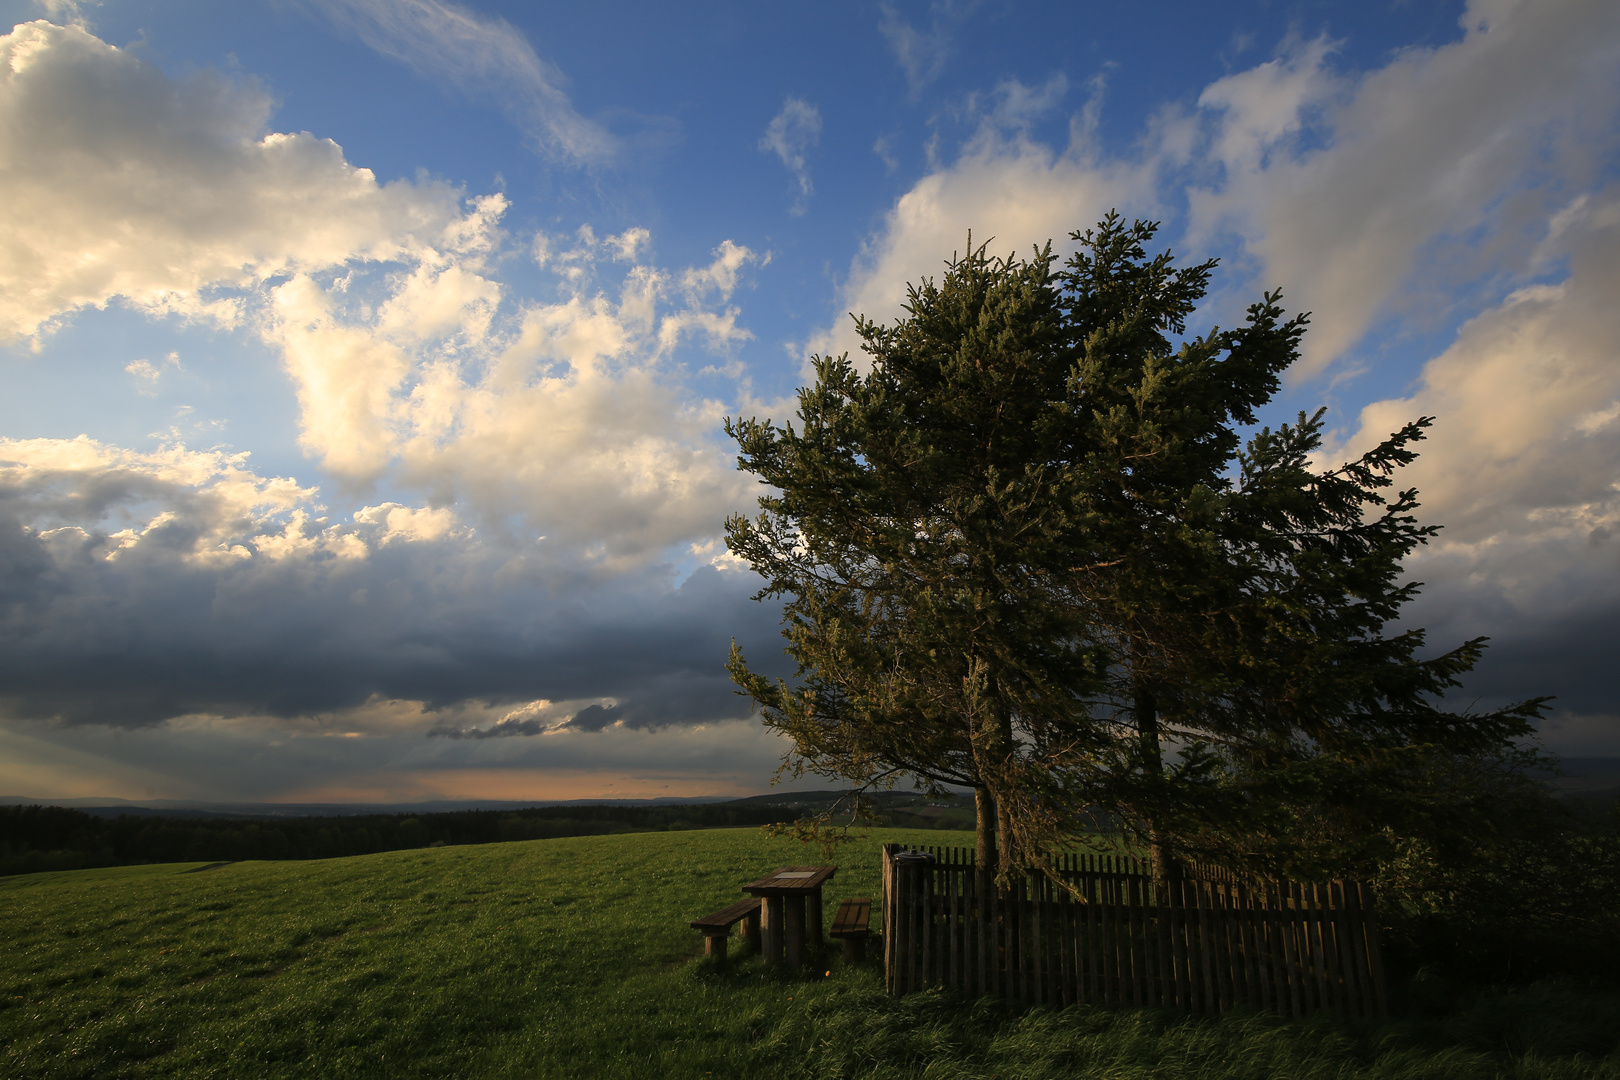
[(791, 879)]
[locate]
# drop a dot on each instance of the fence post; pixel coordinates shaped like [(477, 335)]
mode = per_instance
[(909, 874), (890, 946)]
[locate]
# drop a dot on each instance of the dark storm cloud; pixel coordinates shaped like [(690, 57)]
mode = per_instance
[(107, 628), (1572, 660)]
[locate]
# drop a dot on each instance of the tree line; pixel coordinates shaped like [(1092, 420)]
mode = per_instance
[(36, 838)]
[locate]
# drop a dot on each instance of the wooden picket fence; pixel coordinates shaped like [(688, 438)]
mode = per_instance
[(1204, 943)]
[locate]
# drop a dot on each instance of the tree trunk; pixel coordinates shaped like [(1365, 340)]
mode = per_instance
[(992, 740), (1165, 867), (984, 838)]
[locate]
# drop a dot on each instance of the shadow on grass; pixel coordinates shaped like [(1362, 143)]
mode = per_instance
[(857, 1030)]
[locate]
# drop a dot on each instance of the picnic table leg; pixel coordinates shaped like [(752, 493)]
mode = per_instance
[(812, 915), (793, 927), (771, 929)]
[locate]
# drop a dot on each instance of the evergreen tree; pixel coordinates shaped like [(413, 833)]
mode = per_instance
[(1244, 595), (1026, 552), (919, 535)]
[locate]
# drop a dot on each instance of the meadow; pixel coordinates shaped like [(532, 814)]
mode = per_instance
[(572, 958)]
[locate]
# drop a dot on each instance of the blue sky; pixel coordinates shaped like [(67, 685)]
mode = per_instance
[(365, 361)]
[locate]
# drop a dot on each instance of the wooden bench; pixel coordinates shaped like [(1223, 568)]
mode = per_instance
[(717, 927), (850, 925)]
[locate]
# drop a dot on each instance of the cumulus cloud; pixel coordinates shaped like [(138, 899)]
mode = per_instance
[(202, 593), (570, 416), (124, 183), (1438, 166), (1523, 470), (481, 56), (410, 362), (515, 473), (791, 135), (540, 718), (1382, 195), (1003, 185)]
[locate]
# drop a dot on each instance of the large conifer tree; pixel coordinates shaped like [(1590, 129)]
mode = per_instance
[(1026, 552)]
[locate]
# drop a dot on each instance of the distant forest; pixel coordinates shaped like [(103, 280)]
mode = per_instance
[(36, 838)]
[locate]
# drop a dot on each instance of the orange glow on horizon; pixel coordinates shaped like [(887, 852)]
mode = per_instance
[(517, 785)]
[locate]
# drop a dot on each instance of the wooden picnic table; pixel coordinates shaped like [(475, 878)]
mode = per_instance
[(790, 915)]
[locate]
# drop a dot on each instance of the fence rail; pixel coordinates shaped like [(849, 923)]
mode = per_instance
[(1108, 934)]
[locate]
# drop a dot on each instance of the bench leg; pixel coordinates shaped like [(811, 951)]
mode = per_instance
[(770, 929), (854, 948), (793, 930), (714, 947), (749, 930)]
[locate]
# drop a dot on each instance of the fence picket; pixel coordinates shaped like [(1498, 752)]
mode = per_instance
[(1136, 888), (1178, 942), (1375, 953), (1206, 948), (1349, 986), (1254, 986), (1264, 939), (1327, 919)]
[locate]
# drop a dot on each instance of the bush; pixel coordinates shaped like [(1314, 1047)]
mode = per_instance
[(1539, 903)]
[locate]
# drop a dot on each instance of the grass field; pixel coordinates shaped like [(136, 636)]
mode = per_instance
[(572, 958)]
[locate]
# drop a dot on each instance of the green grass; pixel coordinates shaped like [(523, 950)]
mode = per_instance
[(572, 958)]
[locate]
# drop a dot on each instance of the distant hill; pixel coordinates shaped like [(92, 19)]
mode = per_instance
[(1587, 777), (36, 837)]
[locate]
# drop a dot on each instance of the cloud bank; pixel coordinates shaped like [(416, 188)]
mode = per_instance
[(515, 487), (515, 477), (124, 183), (1523, 469), (1381, 194), (192, 586)]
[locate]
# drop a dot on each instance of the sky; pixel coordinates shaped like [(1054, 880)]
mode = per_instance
[(364, 362)]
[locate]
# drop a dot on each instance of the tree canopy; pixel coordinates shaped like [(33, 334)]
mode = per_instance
[(1025, 550)]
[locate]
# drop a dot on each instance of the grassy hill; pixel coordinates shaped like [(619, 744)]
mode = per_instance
[(572, 958)]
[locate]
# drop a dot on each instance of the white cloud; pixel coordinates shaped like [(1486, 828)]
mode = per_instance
[(149, 374), (478, 55), (1382, 194), (1525, 446), (65, 11), (922, 53), (397, 523), (200, 507), (571, 416), (123, 183), (1523, 471), (410, 362), (791, 135), (1003, 185)]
